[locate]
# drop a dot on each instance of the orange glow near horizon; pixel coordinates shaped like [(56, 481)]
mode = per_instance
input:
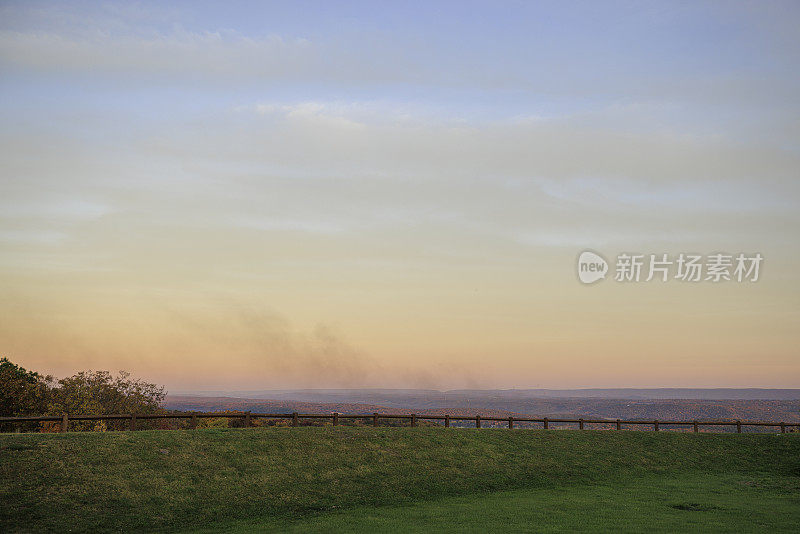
[(442, 327)]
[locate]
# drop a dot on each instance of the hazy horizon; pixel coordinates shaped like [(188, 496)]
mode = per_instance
[(249, 195), (400, 396)]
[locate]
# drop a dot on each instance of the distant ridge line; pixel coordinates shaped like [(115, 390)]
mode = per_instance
[(604, 393)]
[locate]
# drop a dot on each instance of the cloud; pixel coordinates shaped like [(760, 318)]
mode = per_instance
[(353, 171), (210, 54), (316, 114), (31, 236), (55, 207), (570, 157), (644, 57)]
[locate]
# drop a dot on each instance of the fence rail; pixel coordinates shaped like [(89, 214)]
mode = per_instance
[(248, 417)]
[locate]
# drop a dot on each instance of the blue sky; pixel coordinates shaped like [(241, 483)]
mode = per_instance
[(469, 59)]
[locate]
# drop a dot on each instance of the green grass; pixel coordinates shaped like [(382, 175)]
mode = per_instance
[(398, 479), (704, 503)]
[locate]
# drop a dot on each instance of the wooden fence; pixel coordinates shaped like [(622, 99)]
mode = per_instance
[(295, 418)]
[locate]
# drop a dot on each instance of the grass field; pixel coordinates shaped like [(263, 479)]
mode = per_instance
[(348, 479)]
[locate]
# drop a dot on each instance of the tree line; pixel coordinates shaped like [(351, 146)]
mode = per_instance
[(24, 392)]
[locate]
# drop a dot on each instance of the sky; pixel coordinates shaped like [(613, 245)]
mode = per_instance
[(244, 195)]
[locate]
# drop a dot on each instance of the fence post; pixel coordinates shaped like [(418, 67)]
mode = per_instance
[(194, 416)]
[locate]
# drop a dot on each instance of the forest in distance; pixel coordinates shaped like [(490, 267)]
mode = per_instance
[(487, 405)]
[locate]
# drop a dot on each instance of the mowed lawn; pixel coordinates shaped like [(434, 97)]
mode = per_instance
[(348, 479), (701, 503)]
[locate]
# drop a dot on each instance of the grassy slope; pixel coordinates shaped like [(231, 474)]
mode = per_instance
[(677, 503), (181, 479)]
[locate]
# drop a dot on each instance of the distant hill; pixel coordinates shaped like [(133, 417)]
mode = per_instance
[(500, 406), (212, 404), (389, 396)]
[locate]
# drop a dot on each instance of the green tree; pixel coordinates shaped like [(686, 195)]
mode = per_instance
[(22, 392), (101, 393)]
